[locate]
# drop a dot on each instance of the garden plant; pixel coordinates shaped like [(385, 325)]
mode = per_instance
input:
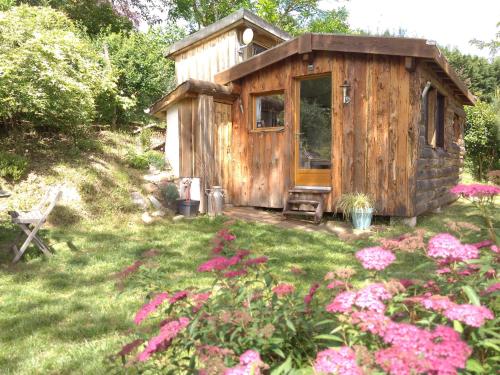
[(248, 322)]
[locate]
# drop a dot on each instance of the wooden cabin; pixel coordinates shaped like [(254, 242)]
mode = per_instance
[(302, 120)]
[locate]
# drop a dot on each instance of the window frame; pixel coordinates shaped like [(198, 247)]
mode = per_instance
[(253, 111), (435, 118)]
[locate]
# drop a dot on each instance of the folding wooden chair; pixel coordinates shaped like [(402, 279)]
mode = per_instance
[(30, 223)]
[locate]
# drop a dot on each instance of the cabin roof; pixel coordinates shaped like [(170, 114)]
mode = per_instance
[(240, 16), (192, 88), (307, 43)]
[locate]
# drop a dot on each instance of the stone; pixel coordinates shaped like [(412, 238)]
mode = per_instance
[(155, 202), (178, 218), (150, 187), (407, 221), (146, 218), (138, 200), (158, 213)]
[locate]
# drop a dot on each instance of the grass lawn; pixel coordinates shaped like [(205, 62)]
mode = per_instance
[(68, 313)]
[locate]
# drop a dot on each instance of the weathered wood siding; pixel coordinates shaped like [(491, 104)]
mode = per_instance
[(372, 143), (204, 60), (438, 169)]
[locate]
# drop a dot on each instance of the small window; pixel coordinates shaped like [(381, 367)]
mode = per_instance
[(440, 120), (269, 110), (435, 110), (257, 48)]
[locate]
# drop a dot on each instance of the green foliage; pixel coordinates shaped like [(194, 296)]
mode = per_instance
[(51, 74), (12, 166), (137, 161), (155, 159), (481, 75), (350, 202), (493, 45), (482, 142), (93, 16), (170, 192), (333, 21), (142, 72), (145, 138), (6, 4)]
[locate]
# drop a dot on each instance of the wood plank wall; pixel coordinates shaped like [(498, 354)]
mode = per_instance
[(374, 137), (205, 60), (438, 169)]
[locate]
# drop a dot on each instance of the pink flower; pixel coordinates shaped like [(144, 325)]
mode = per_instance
[(406, 282), (149, 307), (436, 303), (218, 263), (446, 246), (375, 258), (250, 364), (336, 284), (236, 273), (253, 261), (495, 249), (242, 253), (492, 288), (342, 302), (178, 296), (471, 315), (217, 249), (371, 321), (167, 332), (339, 362), (480, 245), (370, 297), (475, 190), (312, 291), (283, 289)]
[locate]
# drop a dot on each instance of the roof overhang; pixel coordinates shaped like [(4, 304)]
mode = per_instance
[(307, 43), (191, 89), (240, 17)]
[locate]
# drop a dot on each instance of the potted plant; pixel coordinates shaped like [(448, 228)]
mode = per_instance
[(171, 195), (187, 206), (359, 207)]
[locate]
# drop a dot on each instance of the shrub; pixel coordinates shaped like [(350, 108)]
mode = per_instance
[(52, 75), (156, 159), (12, 166), (482, 140), (145, 138), (170, 192), (350, 202), (248, 321), (137, 161)]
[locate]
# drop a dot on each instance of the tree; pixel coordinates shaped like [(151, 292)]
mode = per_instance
[(333, 21), (94, 16), (493, 45), (481, 76), (51, 74), (142, 72), (482, 143)]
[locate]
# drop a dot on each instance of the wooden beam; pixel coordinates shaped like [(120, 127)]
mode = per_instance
[(410, 63)]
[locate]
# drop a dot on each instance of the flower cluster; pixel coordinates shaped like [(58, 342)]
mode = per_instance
[(340, 362), (375, 258), (471, 315), (283, 289), (370, 298), (221, 239), (312, 291), (149, 307), (167, 333), (450, 249), (250, 364), (475, 190)]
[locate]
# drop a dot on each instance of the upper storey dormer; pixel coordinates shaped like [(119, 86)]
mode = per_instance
[(219, 46)]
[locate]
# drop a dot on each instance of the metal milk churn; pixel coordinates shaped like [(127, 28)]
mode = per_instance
[(215, 201)]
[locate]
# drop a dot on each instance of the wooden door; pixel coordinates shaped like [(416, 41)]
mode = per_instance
[(313, 131), (223, 139)]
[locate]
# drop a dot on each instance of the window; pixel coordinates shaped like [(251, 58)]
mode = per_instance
[(435, 109), (269, 110), (440, 121), (257, 48)]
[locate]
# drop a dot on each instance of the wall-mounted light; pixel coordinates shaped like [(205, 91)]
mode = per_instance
[(346, 99), (247, 38)]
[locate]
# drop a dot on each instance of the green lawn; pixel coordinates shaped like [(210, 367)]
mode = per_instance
[(66, 314)]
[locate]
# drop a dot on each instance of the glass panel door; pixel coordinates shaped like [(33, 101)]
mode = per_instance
[(314, 132)]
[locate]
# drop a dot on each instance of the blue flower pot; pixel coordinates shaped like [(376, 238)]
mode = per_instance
[(362, 219)]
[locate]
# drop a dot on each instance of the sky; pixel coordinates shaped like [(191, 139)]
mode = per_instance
[(449, 22)]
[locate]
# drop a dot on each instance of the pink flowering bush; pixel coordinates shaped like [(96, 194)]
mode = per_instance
[(250, 322)]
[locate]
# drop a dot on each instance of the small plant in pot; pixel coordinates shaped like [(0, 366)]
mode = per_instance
[(171, 195), (187, 206), (359, 207)]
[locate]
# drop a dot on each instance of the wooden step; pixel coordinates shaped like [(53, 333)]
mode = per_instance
[(303, 201), (311, 189), (303, 213)]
